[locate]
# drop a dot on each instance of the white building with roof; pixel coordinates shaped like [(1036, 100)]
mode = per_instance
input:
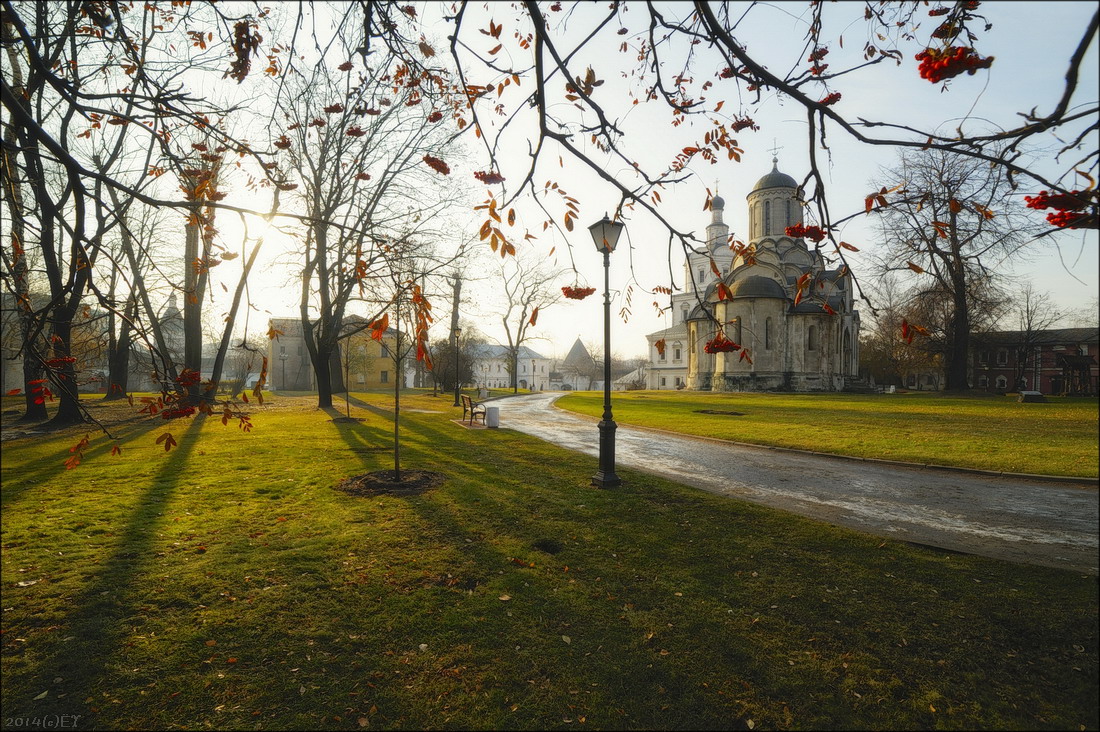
[(492, 368), (749, 298)]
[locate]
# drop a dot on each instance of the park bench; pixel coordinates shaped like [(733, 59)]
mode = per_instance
[(473, 409)]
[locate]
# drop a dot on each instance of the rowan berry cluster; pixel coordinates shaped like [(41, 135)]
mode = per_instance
[(720, 344), (799, 231), (937, 65), (830, 99), (577, 293), (1069, 208)]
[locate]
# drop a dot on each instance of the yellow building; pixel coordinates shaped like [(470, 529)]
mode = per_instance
[(363, 361)]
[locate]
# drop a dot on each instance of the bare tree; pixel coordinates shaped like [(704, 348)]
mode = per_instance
[(361, 148), (528, 288), (1034, 312), (952, 231)]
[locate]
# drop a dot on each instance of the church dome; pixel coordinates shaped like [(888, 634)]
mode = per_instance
[(718, 203), (775, 179), (757, 286)]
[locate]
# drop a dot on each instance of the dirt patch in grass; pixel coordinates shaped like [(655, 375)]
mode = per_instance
[(720, 411), (412, 482), (345, 420)]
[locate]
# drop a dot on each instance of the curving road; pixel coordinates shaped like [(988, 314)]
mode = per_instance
[(1034, 522)]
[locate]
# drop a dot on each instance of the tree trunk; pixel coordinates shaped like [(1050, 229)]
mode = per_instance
[(324, 378), (397, 399), (118, 366), (68, 406), (958, 345)]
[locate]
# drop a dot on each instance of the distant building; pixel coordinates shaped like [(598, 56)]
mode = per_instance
[(492, 368), (579, 370), (367, 363), (809, 346), (1060, 361)]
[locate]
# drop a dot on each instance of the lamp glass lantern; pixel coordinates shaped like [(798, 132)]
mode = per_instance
[(605, 234)]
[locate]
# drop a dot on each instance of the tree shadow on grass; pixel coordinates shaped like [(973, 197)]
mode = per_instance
[(95, 623), (44, 471), (475, 531)]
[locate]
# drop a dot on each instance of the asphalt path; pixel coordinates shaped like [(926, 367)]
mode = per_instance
[(1039, 522)]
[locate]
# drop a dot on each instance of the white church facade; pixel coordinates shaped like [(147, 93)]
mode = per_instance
[(781, 340)]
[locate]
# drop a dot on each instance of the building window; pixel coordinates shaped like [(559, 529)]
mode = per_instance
[(282, 349), (384, 377), (683, 314), (660, 355), (787, 218), (359, 378), (701, 271), (983, 357), (385, 351), (1002, 382), (735, 330), (983, 381), (1002, 356), (676, 352), (767, 334), (811, 338), (662, 381), (767, 217)]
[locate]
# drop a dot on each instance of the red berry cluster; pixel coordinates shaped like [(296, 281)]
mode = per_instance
[(1069, 208), (720, 344), (939, 11), (813, 233), (577, 293), (177, 412), (742, 123), (830, 99), (937, 65), (437, 165), (488, 177)]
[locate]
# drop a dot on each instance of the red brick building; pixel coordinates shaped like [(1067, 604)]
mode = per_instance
[(1060, 361)]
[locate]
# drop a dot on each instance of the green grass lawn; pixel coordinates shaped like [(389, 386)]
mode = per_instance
[(227, 585), (1058, 437)]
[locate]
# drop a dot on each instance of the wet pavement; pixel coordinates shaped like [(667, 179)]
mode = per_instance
[(1035, 522)]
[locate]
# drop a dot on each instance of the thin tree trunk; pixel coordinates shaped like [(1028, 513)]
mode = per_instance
[(397, 399)]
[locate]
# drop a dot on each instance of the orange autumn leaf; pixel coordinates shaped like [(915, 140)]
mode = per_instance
[(660, 346), (534, 316)]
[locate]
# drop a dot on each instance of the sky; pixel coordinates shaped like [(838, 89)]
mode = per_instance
[(1030, 61)]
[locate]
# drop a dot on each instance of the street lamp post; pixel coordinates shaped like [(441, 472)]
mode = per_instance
[(605, 235), (283, 357), (455, 333)]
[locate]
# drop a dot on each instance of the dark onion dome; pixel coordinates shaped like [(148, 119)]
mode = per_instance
[(718, 203), (775, 179), (757, 286)]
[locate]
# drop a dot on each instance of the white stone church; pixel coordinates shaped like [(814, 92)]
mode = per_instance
[(802, 347)]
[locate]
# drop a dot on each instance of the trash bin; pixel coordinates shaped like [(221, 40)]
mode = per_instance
[(492, 416)]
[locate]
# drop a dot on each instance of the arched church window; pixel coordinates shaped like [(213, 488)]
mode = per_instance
[(734, 332), (787, 215), (767, 217), (701, 271), (767, 334), (811, 338), (683, 313)]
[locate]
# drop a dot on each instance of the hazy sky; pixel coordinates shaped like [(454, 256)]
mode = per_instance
[(1032, 43)]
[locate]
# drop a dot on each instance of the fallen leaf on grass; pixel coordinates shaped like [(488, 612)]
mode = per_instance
[(211, 643), (566, 639), (42, 695), (505, 597)]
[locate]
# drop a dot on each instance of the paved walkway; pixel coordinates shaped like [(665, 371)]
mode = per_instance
[(1036, 522)]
